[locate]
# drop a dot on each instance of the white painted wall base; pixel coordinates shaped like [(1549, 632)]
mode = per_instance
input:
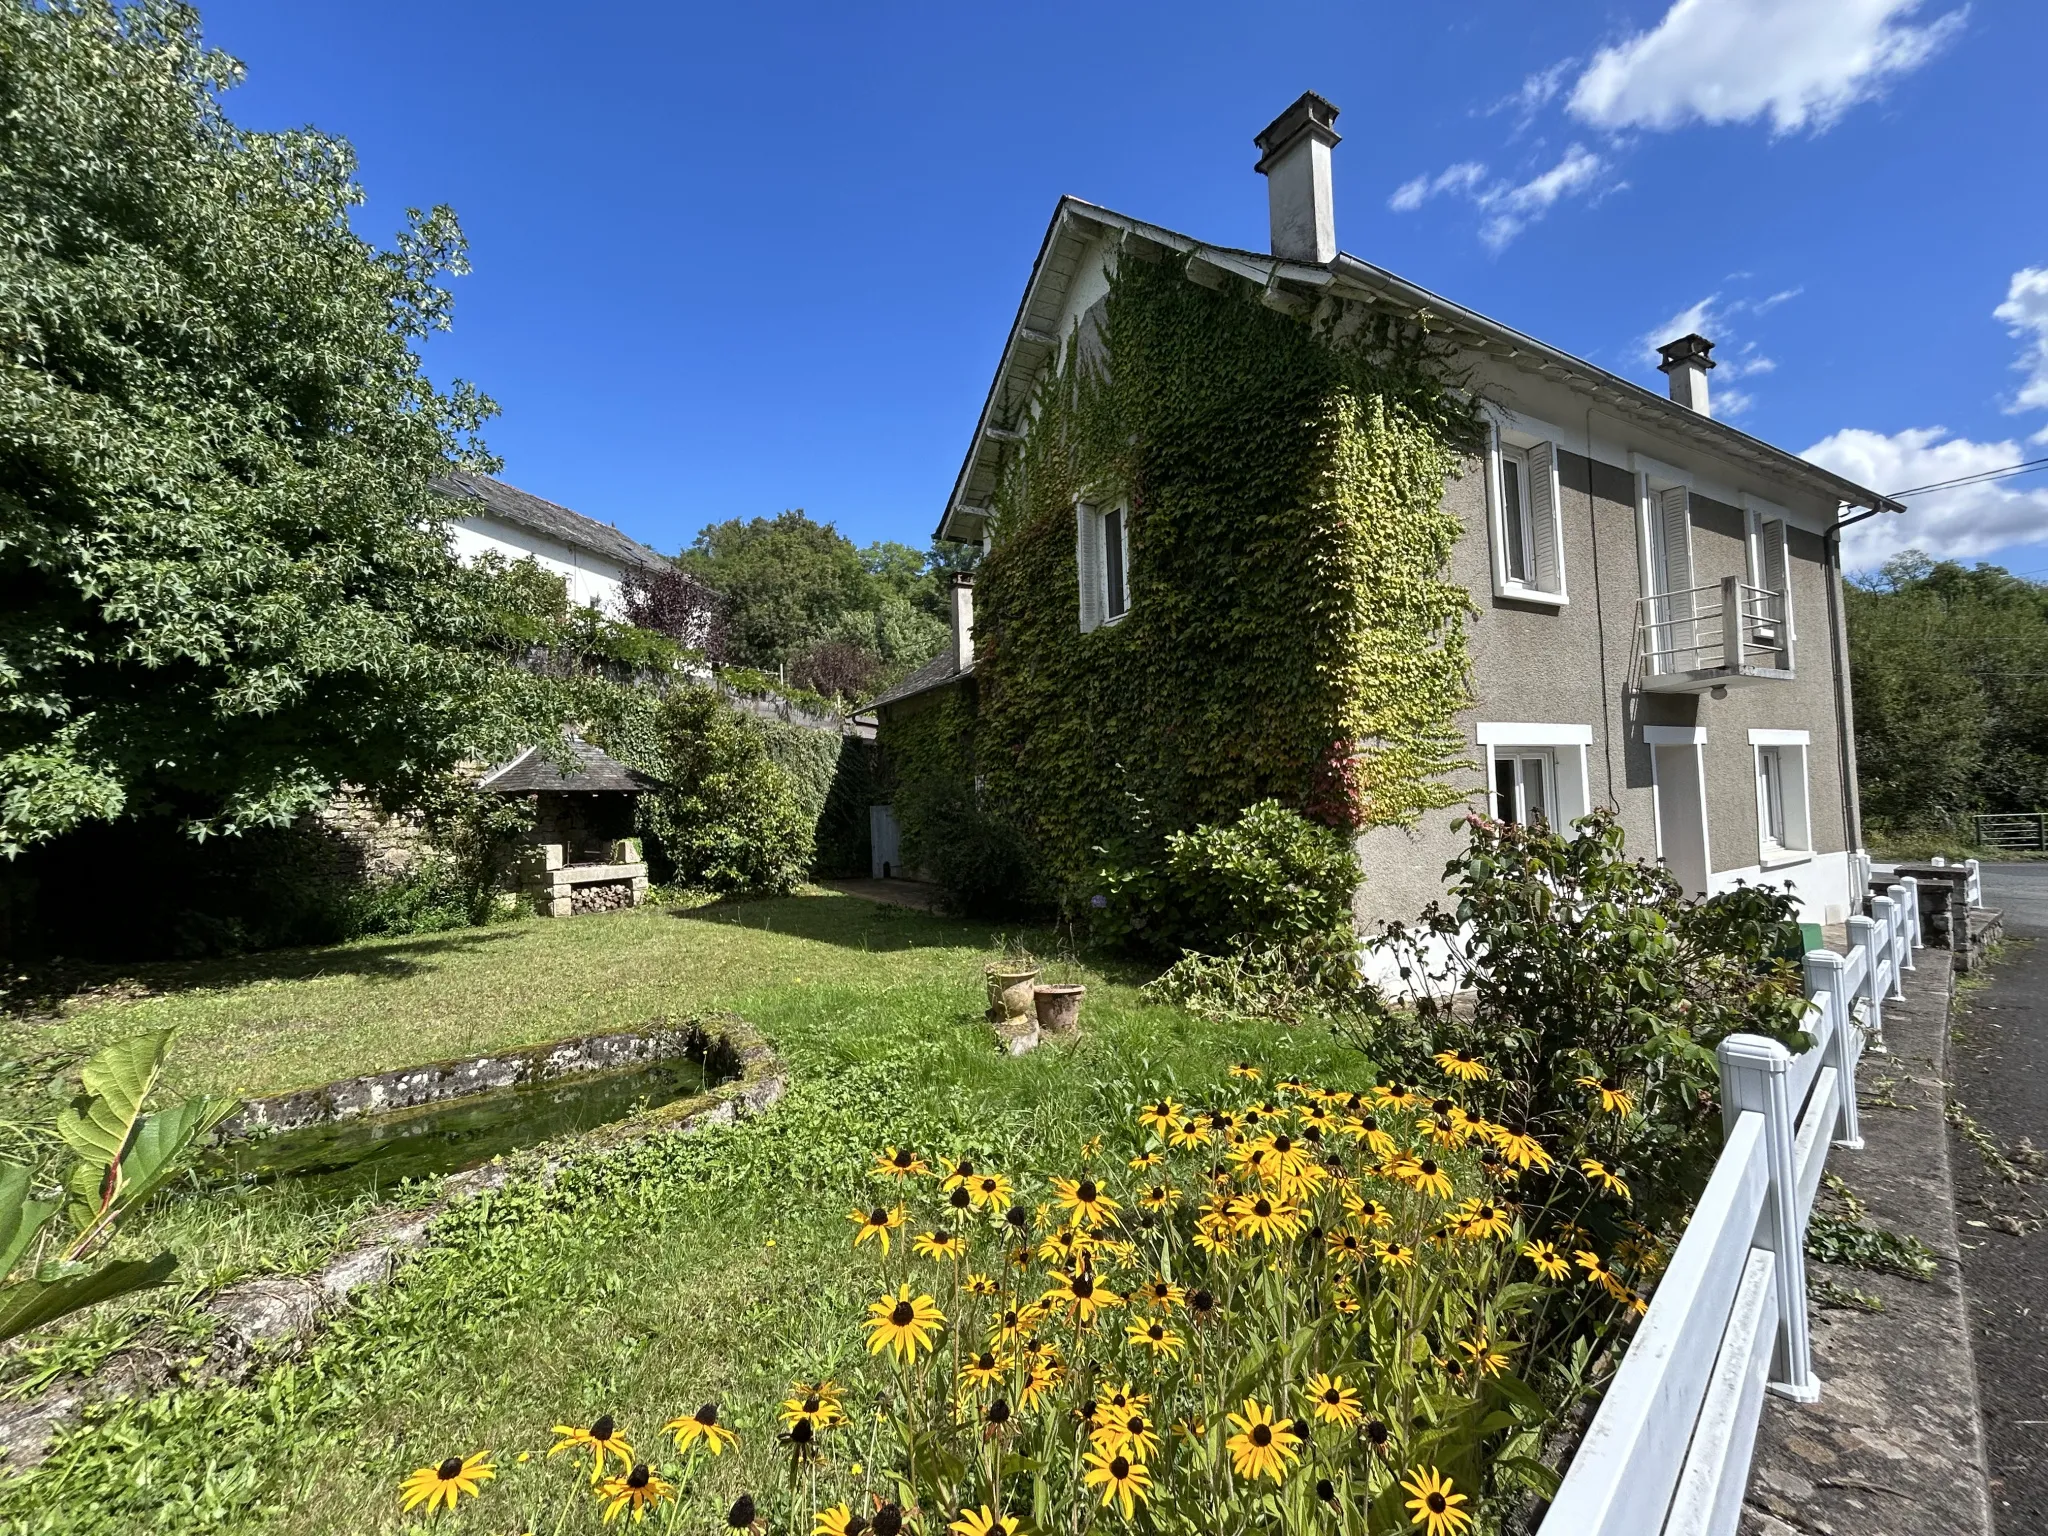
[(1824, 884)]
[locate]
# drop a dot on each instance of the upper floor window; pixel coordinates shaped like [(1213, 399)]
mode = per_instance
[(1522, 497), (1102, 555)]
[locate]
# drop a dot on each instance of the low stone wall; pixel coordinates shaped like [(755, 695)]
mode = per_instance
[(408, 1087)]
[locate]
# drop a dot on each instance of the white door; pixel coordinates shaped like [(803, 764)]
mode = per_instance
[(886, 860), (1681, 814)]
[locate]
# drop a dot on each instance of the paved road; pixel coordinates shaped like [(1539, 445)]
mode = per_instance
[(2000, 1064)]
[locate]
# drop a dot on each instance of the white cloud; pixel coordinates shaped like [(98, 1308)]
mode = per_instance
[(1462, 177), (1971, 520), (1802, 63), (1537, 92), (2025, 312), (1510, 206)]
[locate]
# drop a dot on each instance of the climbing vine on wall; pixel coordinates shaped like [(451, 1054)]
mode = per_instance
[(1291, 634)]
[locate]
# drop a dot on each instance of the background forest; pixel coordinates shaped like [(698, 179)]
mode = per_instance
[(1950, 669)]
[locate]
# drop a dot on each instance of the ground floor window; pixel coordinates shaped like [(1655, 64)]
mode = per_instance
[(1536, 771), (1524, 787), (1783, 824)]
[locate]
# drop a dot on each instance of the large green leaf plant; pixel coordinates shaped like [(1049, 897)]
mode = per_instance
[(125, 1153)]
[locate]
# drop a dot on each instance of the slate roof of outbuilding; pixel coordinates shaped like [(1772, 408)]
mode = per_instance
[(936, 673), (591, 773), (510, 504)]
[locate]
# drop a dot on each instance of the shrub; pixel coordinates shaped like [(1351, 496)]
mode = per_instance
[(1272, 878), (728, 819), (1588, 976)]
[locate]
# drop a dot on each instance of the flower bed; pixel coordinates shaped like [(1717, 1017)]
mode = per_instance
[(1343, 1307)]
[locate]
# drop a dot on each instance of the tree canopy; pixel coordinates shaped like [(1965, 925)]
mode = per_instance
[(225, 587), (801, 595), (1950, 667)]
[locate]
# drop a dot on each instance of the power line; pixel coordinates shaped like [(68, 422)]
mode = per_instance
[(1983, 477)]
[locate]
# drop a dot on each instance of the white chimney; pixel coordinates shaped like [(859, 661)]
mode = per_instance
[(1686, 362), (960, 588), (1295, 160)]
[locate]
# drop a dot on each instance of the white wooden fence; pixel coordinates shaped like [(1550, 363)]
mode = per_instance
[(1669, 1449)]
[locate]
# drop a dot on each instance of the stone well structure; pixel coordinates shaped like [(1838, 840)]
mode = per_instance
[(581, 855)]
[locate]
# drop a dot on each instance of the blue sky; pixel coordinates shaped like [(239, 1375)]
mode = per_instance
[(735, 259)]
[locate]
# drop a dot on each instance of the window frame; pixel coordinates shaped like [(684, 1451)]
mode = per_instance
[(1564, 748), (1759, 517), (1092, 563), (1779, 761), (1525, 448)]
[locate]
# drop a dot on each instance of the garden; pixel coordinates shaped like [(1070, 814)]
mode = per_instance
[(1199, 1265)]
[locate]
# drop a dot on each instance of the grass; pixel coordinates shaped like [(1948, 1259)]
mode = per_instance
[(646, 1278), (293, 1018)]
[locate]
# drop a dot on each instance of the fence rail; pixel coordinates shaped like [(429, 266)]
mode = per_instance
[(2013, 829), (1670, 1447)]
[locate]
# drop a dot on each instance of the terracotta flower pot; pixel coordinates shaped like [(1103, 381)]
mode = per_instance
[(1009, 993), (1059, 1007)]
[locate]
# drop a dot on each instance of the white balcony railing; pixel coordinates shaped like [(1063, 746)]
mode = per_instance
[(1727, 629)]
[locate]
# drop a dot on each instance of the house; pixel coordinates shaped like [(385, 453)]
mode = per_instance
[(493, 517), (1285, 524)]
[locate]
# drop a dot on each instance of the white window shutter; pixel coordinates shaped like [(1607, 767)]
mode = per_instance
[(1543, 538), (1674, 511), (1088, 564), (1775, 569)]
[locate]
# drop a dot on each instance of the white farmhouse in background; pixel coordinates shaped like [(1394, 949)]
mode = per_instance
[(493, 517)]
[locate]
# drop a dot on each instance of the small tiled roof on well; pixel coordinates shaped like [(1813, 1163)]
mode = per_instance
[(592, 773), (509, 504)]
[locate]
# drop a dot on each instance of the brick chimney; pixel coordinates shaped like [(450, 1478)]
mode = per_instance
[(1686, 362), (960, 589), (1294, 157)]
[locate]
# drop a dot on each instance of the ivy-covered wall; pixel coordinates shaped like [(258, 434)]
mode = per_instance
[(1291, 632)]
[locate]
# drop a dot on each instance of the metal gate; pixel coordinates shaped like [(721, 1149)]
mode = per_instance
[(2014, 829)]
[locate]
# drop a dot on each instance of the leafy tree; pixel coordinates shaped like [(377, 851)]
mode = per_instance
[(728, 818), (224, 584), (1950, 667), (794, 590), (784, 580)]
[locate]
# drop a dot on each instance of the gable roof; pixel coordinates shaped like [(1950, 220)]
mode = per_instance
[(1288, 284), (591, 772), (509, 504)]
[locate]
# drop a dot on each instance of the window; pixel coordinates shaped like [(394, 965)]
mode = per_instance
[(1522, 495), (1536, 773), (1771, 627), (1102, 556), (1116, 591), (1671, 636), (1782, 821), (1522, 787)]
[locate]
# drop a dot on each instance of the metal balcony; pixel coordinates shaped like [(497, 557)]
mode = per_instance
[(1717, 636)]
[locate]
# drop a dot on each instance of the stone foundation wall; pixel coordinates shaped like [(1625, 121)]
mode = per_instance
[(386, 846)]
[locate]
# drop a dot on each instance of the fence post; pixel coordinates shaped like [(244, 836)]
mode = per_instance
[(1863, 935), (1844, 1046), (1974, 886), (1902, 929), (1753, 1080), (1915, 936), (1884, 917)]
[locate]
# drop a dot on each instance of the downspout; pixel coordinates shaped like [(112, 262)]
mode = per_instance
[(1845, 715)]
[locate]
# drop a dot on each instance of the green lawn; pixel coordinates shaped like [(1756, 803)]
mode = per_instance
[(648, 1277), (293, 1018)]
